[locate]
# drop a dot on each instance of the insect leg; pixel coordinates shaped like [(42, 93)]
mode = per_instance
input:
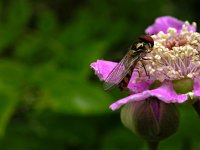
[(145, 58), (145, 68)]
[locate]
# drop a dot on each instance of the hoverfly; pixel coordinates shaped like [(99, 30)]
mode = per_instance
[(122, 72)]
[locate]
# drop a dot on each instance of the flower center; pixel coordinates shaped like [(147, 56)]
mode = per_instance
[(174, 56), (175, 41)]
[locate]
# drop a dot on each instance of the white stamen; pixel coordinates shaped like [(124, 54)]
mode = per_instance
[(175, 55)]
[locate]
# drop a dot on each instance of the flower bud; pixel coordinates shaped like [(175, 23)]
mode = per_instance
[(151, 119)]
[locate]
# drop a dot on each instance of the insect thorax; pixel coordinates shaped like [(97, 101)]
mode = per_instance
[(145, 42), (140, 46)]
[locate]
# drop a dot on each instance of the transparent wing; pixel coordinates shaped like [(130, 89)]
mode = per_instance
[(121, 70)]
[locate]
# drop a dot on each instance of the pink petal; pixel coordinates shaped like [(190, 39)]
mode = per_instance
[(138, 86), (196, 86), (163, 23), (103, 68), (165, 93)]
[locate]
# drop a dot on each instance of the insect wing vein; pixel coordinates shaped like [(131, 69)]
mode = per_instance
[(120, 70)]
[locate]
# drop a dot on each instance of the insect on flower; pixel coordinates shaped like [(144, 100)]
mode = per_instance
[(121, 73), (173, 61)]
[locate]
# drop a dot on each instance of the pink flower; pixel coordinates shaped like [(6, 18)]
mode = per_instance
[(174, 62), (163, 23)]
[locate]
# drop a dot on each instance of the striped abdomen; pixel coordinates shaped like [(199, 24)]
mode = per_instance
[(124, 83)]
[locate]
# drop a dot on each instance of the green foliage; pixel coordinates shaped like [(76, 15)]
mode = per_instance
[(49, 97)]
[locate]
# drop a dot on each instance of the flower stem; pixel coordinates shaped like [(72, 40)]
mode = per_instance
[(153, 145)]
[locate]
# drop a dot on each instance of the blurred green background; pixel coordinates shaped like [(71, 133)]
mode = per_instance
[(50, 99)]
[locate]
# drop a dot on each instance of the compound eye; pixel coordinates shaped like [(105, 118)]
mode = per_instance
[(148, 39), (152, 43)]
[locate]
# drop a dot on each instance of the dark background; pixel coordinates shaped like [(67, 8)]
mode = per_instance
[(50, 99)]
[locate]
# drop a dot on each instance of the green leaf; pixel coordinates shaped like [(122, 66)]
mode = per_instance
[(17, 16), (65, 93), (28, 47), (18, 13), (47, 22), (12, 76), (80, 98), (38, 49), (8, 101)]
